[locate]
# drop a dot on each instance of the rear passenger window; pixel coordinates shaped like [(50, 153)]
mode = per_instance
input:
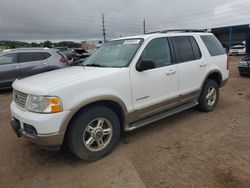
[(213, 45), (30, 56), (183, 49), (157, 50)]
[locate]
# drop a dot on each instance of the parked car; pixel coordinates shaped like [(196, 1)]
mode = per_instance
[(244, 66), (238, 50), (20, 63), (126, 84), (66, 51), (77, 62), (79, 53), (62, 48)]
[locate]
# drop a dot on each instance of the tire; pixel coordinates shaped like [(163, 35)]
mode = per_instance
[(205, 104), (83, 134)]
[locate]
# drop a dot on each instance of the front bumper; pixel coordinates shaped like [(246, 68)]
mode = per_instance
[(244, 70), (41, 129), (237, 53)]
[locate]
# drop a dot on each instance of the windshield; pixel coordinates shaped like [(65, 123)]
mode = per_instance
[(114, 54)]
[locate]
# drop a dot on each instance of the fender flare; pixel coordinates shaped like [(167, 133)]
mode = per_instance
[(84, 103)]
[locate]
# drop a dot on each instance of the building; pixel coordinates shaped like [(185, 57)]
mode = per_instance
[(233, 35)]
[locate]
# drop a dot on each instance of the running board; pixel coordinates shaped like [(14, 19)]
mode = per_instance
[(161, 115)]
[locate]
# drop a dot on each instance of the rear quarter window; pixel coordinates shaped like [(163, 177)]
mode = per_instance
[(213, 45)]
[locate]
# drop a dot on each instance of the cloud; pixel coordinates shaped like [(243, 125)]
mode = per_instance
[(79, 20)]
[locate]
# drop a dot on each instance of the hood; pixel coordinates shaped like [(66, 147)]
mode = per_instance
[(41, 84)]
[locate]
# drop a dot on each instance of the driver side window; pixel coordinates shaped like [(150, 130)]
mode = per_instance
[(157, 50), (8, 59)]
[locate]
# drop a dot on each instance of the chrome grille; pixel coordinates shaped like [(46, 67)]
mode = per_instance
[(20, 98)]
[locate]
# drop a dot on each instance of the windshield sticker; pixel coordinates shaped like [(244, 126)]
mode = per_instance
[(131, 42)]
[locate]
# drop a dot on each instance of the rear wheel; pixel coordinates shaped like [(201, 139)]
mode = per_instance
[(93, 133), (209, 96)]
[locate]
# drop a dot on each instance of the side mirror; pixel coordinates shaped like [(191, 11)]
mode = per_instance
[(145, 65)]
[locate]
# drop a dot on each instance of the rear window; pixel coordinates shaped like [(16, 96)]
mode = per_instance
[(31, 56), (186, 49), (60, 53), (46, 55), (213, 45)]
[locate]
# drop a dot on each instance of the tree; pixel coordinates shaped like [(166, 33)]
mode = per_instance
[(47, 44), (34, 44)]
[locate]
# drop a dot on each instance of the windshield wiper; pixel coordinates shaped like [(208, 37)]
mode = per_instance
[(94, 65)]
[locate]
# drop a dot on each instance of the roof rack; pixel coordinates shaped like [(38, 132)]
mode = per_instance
[(28, 48), (180, 30)]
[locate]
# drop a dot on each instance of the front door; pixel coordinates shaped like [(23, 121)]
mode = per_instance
[(156, 89)]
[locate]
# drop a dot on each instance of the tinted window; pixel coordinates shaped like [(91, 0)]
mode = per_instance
[(183, 49), (196, 49), (213, 45), (158, 50), (30, 56), (7, 59)]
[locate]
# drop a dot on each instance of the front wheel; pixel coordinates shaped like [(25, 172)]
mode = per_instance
[(93, 133), (209, 96)]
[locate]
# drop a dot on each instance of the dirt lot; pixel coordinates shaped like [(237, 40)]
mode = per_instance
[(191, 149)]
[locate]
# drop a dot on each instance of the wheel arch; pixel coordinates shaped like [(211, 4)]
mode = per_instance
[(112, 102), (213, 75)]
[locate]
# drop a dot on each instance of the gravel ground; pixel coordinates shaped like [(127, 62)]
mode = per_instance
[(190, 149)]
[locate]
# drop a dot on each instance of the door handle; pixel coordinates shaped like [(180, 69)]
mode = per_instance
[(170, 72), (44, 63), (16, 67), (203, 64)]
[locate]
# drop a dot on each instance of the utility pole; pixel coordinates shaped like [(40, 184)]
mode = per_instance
[(144, 26), (103, 28)]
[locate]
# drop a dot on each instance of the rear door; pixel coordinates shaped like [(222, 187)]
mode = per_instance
[(9, 69), (191, 66), (32, 63)]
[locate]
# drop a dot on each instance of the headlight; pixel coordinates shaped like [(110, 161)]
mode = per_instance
[(244, 63), (42, 104)]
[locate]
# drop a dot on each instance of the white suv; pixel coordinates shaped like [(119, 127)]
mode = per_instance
[(127, 83)]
